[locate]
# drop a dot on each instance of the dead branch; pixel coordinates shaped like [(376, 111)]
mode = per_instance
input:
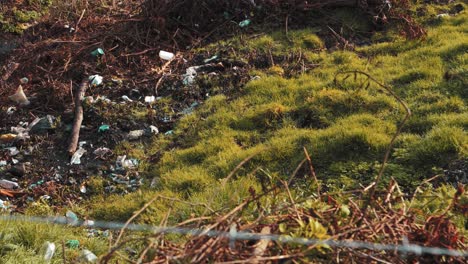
[(78, 117)]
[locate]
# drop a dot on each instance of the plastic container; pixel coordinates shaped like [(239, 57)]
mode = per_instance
[(165, 55)]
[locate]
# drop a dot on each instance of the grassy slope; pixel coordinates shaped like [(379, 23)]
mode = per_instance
[(346, 131)]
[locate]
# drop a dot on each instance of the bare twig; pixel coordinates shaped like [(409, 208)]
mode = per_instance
[(312, 170), (233, 172), (392, 141), (75, 134), (135, 215)]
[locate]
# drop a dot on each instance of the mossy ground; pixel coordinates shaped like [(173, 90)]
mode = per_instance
[(295, 104), (345, 129)]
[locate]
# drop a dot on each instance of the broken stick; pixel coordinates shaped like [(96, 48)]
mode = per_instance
[(78, 117)]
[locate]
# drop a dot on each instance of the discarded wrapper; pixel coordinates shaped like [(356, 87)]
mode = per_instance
[(166, 55), (88, 256), (190, 75), (135, 134), (49, 251), (72, 218), (97, 52), (126, 98), (150, 99), (6, 184), (244, 23), (19, 97), (76, 158), (102, 151), (95, 80), (7, 138)]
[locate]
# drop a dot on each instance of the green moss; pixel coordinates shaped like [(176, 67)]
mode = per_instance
[(346, 127), (25, 16), (23, 242)]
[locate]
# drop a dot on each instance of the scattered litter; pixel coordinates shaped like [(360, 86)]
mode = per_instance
[(7, 138), (6, 184), (88, 223), (11, 110), (102, 151), (117, 81), (3, 163), (49, 251), (244, 23), (190, 75), (72, 29), (42, 125), (45, 197), (166, 55), (14, 161), (442, 15), (190, 109), (95, 80), (34, 185), (96, 233), (211, 59), (76, 158), (103, 128), (72, 218), (88, 256), (83, 188), (130, 163), (135, 134), (13, 151), (170, 132), (150, 99), (126, 98), (24, 80), (19, 97), (3, 205), (123, 163), (256, 77), (72, 243), (97, 52), (154, 130)]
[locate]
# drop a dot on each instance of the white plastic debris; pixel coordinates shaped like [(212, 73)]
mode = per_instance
[(72, 218), (95, 80), (6, 184), (442, 15), (76, 158), (154, 130), (123, 163), (102, 151), (125, 98), (49, 252), (11, 110), (150, 99), (3, 163), (88, 223), (135, 134), (166, 55), (24, 80), (19, 97), (88, 256), (190, 75), (83, 188), (13, 151), (3, 205)]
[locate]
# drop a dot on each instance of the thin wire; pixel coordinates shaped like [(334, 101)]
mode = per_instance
[(234, 235)]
